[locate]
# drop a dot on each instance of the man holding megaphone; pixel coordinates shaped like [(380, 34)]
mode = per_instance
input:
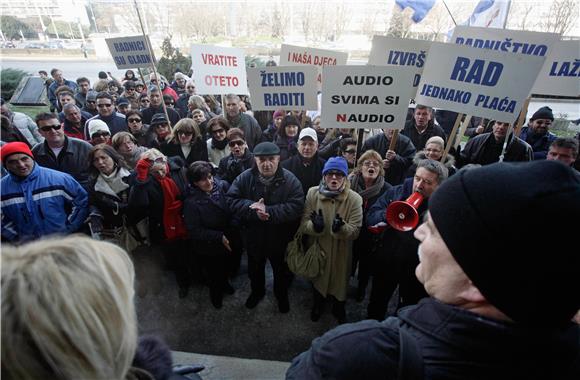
[(401, 207)]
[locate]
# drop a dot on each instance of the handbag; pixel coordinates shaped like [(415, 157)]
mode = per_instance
[(310, 263)]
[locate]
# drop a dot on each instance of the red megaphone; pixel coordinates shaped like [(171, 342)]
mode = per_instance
[(403, 215)]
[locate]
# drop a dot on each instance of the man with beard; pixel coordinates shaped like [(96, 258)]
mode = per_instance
[(538, 134)]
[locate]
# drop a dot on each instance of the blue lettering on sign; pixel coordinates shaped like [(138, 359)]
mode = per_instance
[(565, 69), (478, 72), (495, 103), (445, 93), (288, 79), (119, 60), (406, 58), (506, 45), (139, 59), (284, 99)]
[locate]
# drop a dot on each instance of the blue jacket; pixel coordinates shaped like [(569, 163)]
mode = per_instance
[(116, 123), (39, 205), (540, 146)]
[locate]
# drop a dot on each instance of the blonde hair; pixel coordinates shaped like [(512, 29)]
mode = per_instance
[(67, 310), (436, 140), (370, 154)]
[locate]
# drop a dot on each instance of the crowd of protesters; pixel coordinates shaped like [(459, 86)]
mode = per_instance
[(154, 163)]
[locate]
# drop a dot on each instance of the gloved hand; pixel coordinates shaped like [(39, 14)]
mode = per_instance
[(317, 221), (337, 223), (142, 169)]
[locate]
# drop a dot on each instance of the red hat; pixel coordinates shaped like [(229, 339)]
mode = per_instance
[(13, 148)]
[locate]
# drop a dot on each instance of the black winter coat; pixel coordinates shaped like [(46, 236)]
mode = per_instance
[(231, 167), (284, 202), (198, 151), (207, 217), (111, 208), (150, 111), (147, 198), (419, 140), (453, 343), (405, 150), (472, 153), (307, 175)]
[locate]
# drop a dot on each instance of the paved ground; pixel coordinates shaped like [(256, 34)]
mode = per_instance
[(194, 325)]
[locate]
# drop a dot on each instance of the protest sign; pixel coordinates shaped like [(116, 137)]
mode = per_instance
[(283, 87), (130, 52), (219, 70), (389, 51), (291, 55), (561, 72), (366, 96), (477, 82)]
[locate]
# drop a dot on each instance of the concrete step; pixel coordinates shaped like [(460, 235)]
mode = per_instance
[(226, 368)]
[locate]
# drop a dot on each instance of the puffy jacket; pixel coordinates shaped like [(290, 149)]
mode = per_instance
[(37, 205), (73, 159), (472, 153), (405, 150), (26, 127)]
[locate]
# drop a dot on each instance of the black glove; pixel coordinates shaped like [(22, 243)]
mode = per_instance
[(317, 221), (337, 223)]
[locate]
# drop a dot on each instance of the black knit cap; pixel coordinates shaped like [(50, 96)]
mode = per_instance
[(513, 228), (543, 113)]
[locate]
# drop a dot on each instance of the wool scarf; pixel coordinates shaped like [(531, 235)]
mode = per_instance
[(173, 224), (357, 184)]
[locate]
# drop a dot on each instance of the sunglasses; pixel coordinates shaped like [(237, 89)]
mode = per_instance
[(104, 105), (100, 134), (185, 133), (169, 104), (350, 151), (221, 130), (134, 120), (236, 142), (334, 173), (47, 128)]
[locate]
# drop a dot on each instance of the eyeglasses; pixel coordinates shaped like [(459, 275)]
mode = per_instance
[(134, 120), (236, 142), (100, 134), (370, 163), (47, 128), (350, 151), (336, 174), (185, 133), (105, 105), (160, 160), (216, 131)]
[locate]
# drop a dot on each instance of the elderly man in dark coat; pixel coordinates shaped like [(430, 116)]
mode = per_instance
[(269, 201)]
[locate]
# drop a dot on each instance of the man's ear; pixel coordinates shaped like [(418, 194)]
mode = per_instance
[(472, 294)]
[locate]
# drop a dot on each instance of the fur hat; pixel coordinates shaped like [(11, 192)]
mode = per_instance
[(505, 226)]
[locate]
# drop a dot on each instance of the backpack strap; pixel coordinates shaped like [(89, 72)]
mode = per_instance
[(410, 358)]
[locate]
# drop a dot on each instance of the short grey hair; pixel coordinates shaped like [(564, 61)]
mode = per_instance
[(233, 97), (435, 167), (70, 106)]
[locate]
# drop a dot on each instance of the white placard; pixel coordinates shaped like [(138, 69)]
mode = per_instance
[(291, 55), (130, 52), (561, 72), (366, 96), (219, 70), (283, 87), (390, 51), (505, 40), (477, 82)]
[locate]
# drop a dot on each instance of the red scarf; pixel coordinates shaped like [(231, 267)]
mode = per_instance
[(173, 224)]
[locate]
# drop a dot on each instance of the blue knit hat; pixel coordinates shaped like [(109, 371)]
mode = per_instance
[(336, 163)]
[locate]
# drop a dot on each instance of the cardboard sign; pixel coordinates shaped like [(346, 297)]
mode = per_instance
[(291, 55), (219, 70), (366, 96), (389, 51), (505, 40), (283, 87), (130, 52), (477, 82), (561, 72)]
